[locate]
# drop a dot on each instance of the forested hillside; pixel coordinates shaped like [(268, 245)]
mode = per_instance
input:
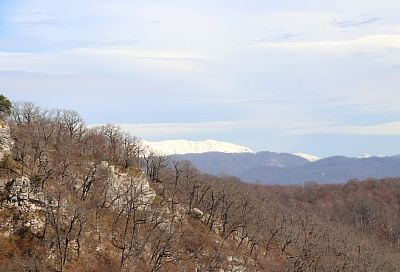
[(74, 198)]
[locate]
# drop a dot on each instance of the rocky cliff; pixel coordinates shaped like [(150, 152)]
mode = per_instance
[(6, 141)]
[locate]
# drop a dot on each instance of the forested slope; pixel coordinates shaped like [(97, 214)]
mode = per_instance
[(74, 198)]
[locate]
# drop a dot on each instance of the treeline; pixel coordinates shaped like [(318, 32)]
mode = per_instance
[(103, 203)]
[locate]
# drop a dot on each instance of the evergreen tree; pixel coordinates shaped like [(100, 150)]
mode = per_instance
[(5, 106)]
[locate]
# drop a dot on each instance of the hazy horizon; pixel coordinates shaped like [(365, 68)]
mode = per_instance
[(320, 77)]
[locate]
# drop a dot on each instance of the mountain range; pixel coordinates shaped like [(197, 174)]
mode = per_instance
[(221, 158)]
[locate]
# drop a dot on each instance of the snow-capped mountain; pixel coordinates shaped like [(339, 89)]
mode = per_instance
[(306, 156), (176, 147)]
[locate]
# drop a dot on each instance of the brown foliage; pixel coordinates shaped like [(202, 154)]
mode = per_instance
[(196, 221)]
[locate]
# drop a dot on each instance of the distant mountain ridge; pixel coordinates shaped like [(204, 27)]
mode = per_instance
[(222, 158), (217, 163), (285, 168)]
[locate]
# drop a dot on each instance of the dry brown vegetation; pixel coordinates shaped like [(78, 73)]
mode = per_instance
[(89, 222)]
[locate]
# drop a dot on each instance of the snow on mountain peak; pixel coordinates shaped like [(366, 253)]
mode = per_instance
[(367, 156), (307, 156), (171, 147)]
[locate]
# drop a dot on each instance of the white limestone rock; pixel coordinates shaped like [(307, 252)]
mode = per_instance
[(21, 196), (122, 182), (6, 142), (196, 213)]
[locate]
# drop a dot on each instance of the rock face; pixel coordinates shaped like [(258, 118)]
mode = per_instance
[(29, 204), (21, 193), (6, 141), (122, 182)]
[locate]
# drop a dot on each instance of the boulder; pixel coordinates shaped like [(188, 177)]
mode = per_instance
[(196, 213)]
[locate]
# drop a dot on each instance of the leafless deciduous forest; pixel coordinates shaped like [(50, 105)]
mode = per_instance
[(74, 198)]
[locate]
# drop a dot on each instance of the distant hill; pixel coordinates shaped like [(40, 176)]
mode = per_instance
[(284, 168), (218, 163)]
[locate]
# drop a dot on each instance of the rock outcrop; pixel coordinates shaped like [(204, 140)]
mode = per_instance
[(122, 182), (21, 193), (6, 141), (27, 204)]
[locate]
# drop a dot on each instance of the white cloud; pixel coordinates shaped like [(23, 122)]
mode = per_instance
[(178, 129), (167, 130), (275, 127), (137, 53), (111, 60), (362, 43), (299, 66), (382, 129)]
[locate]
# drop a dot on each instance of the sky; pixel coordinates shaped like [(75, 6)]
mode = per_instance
[(321, 77)]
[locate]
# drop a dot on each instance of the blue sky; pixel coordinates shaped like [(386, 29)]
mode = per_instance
[(321, 77)]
